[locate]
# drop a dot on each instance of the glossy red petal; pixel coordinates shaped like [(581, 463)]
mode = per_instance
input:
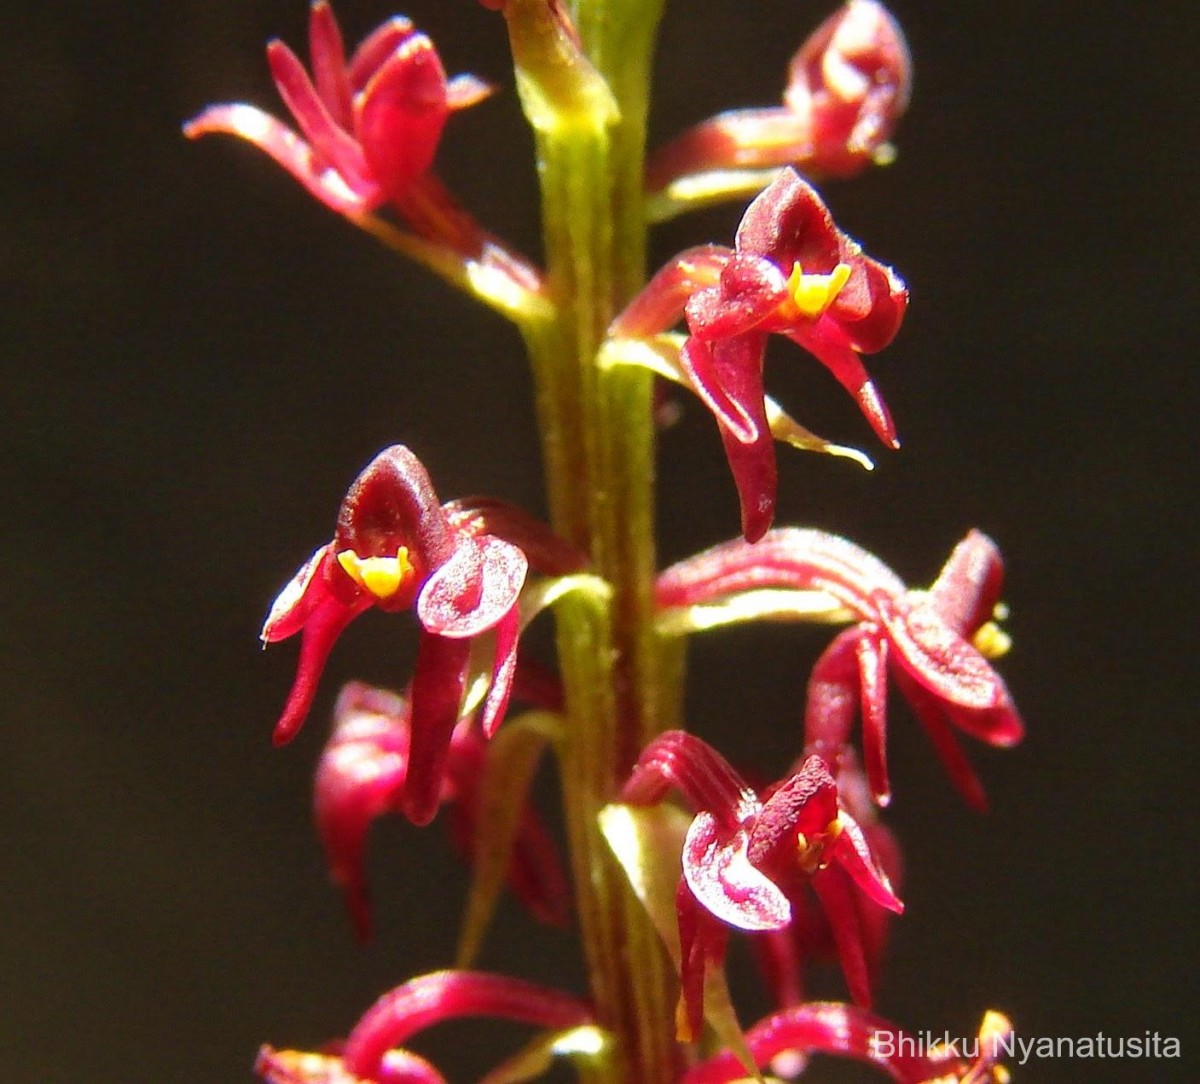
[(375, 49), (968, 588), (327, 55), (401, 112), (504, 666), (297, 600), (851, 851), (792, 557), (546, 552), (756, 478), (439, 680), (940, 659), (322, 627), (289, 151), (789, 223), (702, 944), (750, 290), (333, 145), (931, 715), (727, 375), (827, 342), (473, 590), (445, 995), (836, 893), (359, 775), (717, 869), (660, 304), (832, 698), (705, 778), (871, 651), (392, 503), (803, 804)]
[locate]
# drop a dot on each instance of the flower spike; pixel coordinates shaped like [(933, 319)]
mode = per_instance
[(848, 86), (746, 857), (793, 273), (395, 548), (932, 643)]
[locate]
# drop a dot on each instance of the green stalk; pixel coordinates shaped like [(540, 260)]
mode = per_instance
[(588, 112)]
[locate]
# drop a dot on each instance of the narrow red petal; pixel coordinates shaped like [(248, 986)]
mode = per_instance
[(504, 667), (334, 146), (756, 478), (360, 772), (437, 690), (322, 627), (327, 55), (828, 343), (707, 780), (289, 151), (444, 995), (375, 49), (968, 588), (659, 306), (930, 713), (852, 853), (792, 557), (871, 651), (836, 894), (727, 376), (401, 112), (832, 698), (702, 944)]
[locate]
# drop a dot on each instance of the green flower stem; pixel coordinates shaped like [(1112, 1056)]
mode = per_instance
[(588, 112)]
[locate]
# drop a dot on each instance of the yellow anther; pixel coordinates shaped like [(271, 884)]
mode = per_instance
[(813, 294), (382, 576), (991, 640)]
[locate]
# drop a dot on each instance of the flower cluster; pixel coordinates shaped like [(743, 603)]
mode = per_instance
[(803, 865)]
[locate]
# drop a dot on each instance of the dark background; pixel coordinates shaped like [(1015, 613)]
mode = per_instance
[(198, 360)]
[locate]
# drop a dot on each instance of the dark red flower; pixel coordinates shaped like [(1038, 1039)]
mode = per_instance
[(848, 85), (927, 640), (746, 857), (793, 273), (396, 548), (369, 126), (361, 776)]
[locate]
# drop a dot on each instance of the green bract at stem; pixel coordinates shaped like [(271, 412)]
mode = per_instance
[(583, 79)]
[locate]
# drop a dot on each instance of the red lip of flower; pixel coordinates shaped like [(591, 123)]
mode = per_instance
[(361, 775), (925, 640), (791, 272), (369, 127), (395, 547), (744, 857)]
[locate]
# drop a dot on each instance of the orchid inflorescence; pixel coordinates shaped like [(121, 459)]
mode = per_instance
[(665, 832)]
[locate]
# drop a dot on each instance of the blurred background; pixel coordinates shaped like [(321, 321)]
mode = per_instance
[(199, 359)]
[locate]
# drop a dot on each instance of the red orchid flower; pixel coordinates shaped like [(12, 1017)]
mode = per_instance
[(369, 126), (371, 1051), (848, 85), (361, 776), (745, 858), (396, 548), (825, 1027), (782, 955), (927, 640), (791, 272)]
